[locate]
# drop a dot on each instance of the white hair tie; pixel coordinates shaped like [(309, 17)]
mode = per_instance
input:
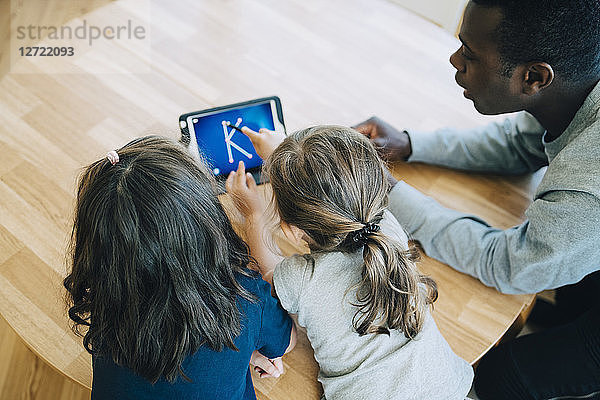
[(113, 157)]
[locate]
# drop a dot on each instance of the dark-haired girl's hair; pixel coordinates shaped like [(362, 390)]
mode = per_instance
[(154, 260), (329, 182)]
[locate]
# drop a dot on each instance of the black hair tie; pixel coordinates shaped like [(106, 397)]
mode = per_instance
[(361, 236)]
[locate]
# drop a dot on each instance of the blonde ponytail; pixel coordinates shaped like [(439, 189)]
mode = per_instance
[(392, 294), (329, 182)]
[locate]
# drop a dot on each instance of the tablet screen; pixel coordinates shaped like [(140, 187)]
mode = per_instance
[(222, 146)]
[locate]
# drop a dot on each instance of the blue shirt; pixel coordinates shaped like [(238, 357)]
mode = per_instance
[(215, 375)]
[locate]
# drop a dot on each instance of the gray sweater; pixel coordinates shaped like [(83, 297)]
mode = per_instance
[(559, 242), (321, 289)]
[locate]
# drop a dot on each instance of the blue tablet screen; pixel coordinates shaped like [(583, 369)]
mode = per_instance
[(224, 147)]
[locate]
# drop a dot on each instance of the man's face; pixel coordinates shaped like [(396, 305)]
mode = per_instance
[(478, 65)]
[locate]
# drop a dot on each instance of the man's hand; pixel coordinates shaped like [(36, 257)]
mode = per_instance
[(264, 141), (246, 196), (392, 144), (266, 367)]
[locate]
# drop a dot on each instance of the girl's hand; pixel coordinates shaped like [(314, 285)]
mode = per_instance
[(246, 197), (264, 141), (266, 367)]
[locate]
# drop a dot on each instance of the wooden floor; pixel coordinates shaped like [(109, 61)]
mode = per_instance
[(23, 375), (211, 53)]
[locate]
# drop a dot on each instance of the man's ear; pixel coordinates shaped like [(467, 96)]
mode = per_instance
[(538, 75), (292, 232)]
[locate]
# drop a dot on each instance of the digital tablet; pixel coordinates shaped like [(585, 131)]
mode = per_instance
[(214, 134)]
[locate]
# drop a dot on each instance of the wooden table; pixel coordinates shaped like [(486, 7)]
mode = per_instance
[(330, 62)]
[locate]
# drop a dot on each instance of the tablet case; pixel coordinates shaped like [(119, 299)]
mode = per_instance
[(185, 133), (186, 137)]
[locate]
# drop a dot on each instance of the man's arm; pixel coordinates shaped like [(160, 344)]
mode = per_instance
[(513, 146), (554, 247)]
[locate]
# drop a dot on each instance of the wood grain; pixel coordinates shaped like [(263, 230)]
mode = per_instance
[(23, 375), (330, 62)]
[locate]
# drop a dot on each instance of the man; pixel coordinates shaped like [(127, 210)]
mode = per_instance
[(542, 57)]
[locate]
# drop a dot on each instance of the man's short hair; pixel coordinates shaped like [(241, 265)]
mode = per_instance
[(563, 33)]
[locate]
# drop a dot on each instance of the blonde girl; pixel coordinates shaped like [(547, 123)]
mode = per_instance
[(358, 292)]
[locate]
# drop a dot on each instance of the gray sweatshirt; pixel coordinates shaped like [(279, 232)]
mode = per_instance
[(559, 242), (321, 289)]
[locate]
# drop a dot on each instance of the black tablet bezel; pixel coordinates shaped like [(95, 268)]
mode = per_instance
[(186, 136)]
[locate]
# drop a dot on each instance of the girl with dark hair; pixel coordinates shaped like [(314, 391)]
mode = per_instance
[(358, 292), (160, 286)]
